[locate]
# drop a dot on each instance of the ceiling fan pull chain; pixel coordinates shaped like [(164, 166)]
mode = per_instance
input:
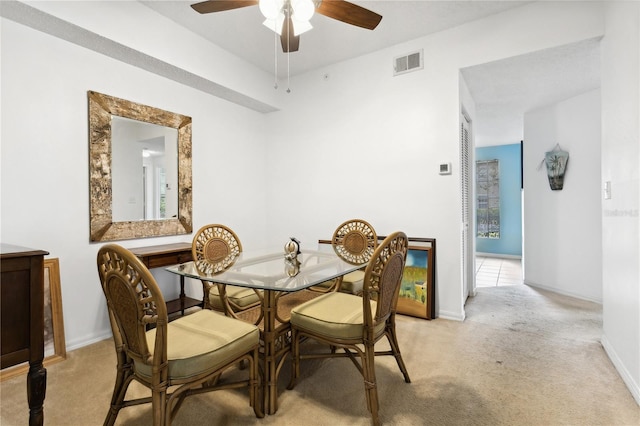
[(288, 51), (288, 74), (275, 60)]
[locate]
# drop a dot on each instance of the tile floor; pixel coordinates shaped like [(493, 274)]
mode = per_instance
[(495, 271)]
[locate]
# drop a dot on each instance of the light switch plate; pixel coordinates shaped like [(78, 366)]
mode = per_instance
[(607, 190)]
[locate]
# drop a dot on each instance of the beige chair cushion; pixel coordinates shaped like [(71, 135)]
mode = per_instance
[(353, 282), (326, 284), (336, 315), (203, 341), (239, 296)]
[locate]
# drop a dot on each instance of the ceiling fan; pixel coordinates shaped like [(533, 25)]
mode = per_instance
[(290, 18)]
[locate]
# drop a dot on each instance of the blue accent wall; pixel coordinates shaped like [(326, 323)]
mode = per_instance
[(510, 241)]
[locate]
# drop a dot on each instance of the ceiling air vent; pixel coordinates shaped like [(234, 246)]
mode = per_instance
[(408, 63)]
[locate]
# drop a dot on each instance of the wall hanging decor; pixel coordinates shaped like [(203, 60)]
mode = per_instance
[(556, 161)]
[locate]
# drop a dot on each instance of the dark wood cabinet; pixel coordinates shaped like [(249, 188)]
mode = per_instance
[(167, 255), (22, 320)]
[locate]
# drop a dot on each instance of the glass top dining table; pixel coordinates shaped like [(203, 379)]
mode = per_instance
[(269, 270), (280, 280)]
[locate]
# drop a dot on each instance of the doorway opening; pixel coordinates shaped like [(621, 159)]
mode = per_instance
[(498, 271)]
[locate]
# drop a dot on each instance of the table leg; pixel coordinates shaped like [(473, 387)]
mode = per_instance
[(182, 295), (270, 362)]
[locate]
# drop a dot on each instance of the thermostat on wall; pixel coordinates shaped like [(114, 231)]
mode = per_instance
[(445, 168)]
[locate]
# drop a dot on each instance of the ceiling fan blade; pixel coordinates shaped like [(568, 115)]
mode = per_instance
[(349, 13), (210, 6), (289, 41)]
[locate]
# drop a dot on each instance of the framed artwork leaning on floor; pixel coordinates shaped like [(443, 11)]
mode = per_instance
[(54, 343), (418, 288)]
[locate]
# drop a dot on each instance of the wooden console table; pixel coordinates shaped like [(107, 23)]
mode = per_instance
[(22, 320), (168, 255)]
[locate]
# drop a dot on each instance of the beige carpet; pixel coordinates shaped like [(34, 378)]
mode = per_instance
[(522, 357)]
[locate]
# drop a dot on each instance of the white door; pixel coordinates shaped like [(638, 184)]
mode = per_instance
[(467, 255)]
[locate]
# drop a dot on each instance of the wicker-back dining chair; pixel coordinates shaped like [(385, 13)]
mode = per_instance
[(186, 355), (214, 248), (354, 241), (354, 324)]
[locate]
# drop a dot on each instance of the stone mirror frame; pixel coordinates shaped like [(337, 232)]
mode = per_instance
[(101, 110)]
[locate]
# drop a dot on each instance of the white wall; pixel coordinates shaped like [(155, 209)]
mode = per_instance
[(44, 162), (620, 166), (363, 143), (563, 228)]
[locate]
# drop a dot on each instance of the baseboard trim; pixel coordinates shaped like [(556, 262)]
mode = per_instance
[(633, 387), (499, 256), (454, 316), (565, 293), (89, 341)]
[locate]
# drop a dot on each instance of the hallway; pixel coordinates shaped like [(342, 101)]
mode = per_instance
[(495, 271)]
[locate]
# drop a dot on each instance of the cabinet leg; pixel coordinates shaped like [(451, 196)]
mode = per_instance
[(36, 390)]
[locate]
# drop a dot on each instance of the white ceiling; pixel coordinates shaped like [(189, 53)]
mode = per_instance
[(503, 90), (241, 32)]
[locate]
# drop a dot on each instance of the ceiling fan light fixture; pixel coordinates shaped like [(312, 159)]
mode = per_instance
[(275, 25), (275, 12), (302, 9), (300, 27), (271, 9)]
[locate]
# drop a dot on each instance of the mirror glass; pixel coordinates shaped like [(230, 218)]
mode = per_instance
[(144, 170), (140, 170)]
